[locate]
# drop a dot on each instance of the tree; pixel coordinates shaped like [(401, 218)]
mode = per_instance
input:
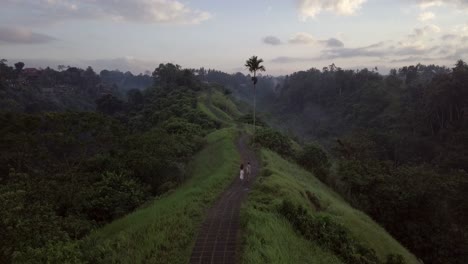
[(19, 66), (109, 104), (135, 98), (253, 65)]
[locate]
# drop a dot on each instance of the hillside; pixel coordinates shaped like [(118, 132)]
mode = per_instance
[(164, 231), (270, 238)]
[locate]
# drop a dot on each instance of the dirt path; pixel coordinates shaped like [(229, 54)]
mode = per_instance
[(218, 239)]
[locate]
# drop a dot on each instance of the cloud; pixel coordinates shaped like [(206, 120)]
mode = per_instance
[(306, 38), (425, 4), (421, 32), (426, 16), (411, 59), (448, 37), (22, 36), (333, 43), (366, 51), (271, 40), (145, 11), (286, 59), (311, 8), (381, 50), (302, 38)]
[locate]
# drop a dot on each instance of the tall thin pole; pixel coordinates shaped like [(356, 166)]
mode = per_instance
[(254, 106), (255, 92)]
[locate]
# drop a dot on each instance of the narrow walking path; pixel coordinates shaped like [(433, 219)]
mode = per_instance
[(218, 240)]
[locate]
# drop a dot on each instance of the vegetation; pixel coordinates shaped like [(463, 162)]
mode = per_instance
[(315, 159), (64, 174), (275, 141), (80, 151), (34, 90), (398, 144), (313, 223)]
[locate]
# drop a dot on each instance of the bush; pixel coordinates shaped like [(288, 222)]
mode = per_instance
[(248, 119), (113, 196), (266, 172), (316, 160), (330, 235), (275, 141)]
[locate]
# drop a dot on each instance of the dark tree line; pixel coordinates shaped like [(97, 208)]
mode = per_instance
[(68, 88)]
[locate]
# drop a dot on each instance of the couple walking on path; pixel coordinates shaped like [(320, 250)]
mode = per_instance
[(245, 175)]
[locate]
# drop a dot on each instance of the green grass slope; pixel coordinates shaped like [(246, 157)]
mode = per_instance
[(217, 106), (270, 238), (164, 231)]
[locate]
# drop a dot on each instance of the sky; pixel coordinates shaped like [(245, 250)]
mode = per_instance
[(289, 35)]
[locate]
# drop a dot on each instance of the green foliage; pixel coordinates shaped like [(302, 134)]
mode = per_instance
[(328, 234), (315, 159), (274, 140), (109, 104), (62, 175), (401, 144), (340, 225), (164, 230), (248, 119), (59, 252), (170, 74), (113, 196), (432, 196)]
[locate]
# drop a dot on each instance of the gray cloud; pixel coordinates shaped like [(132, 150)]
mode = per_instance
[(271, 40), (381, 50), (333, 43), (430, 3), (286, 59), (302, 38), (306, 38), (410, 59), (334, 53), (367, 51), (447, 37), (421, 32), (22, 36), (146, 11), (411, 50)]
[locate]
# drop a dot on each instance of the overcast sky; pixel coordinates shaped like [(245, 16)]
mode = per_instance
[(289, 35)]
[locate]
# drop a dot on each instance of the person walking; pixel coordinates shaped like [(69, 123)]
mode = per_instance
[(248, 171), (241, 173)]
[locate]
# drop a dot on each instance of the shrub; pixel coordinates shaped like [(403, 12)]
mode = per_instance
[(266, 172), (315, 159), (331, 235), (113, 196), (275, 141), (248, 119)]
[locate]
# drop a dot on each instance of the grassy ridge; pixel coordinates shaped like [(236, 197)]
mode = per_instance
[(218, 107), (269, 238), (164, 231)]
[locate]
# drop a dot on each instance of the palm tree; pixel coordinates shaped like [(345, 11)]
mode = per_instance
[(253, 65)]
